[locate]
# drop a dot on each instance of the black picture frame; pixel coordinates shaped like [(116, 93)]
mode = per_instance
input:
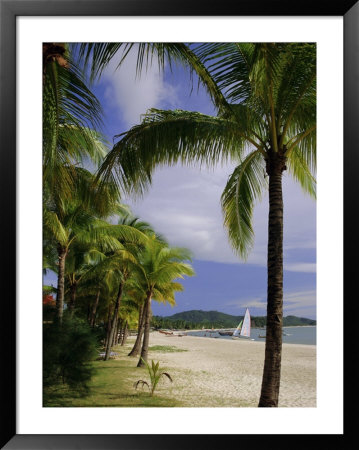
[(10, 9)]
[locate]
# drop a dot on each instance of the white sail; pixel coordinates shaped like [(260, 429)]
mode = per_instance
[(238, 329), (246, 327)]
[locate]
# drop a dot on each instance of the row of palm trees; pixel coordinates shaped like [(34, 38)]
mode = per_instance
[(94, 258), (117, 269), (265, 122)]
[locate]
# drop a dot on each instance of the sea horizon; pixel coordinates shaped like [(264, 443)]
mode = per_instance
[(305, 334)]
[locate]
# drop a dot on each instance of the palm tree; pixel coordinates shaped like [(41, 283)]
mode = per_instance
[(138, 295), (70, 194), (123, 262), (127, 317), (79, 277), (71, 114), (265, 96), (126, 261), (159, 266), (117, 265), (77, 221)]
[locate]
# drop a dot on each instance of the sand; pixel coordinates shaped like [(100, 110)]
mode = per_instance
[(223, 372)]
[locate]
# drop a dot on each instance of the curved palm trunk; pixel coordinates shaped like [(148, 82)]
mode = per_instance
[(116, 329), (273, 349), (62, 252), (94, 309), (141, 324), (73, 289), (124, 334), (118, 333), (108, 325), (146, 336), (114, 319)]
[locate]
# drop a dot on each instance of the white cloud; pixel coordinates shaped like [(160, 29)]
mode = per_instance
[(257, 302), (301, 267), (298, 303), (133, 95), (305, 298), (184, 204), (302, 303)]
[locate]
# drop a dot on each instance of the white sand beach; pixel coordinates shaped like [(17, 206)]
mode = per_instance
[(223, 372)]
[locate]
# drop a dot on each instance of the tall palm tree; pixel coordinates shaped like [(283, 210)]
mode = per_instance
[(265, 96), (159, 266)]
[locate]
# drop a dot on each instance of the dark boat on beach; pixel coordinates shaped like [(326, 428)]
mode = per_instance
[(225, 333)]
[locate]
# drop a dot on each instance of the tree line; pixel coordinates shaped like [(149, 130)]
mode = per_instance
[(110, 265), (175, 322)]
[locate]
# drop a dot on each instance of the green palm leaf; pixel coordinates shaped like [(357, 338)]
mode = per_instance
[(70, 113), (299, 165), (243, 188), (54, 227), (168, 137)]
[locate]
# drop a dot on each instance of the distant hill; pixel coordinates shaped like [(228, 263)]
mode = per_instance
[(198, 316), (216, 319), (294, 320)]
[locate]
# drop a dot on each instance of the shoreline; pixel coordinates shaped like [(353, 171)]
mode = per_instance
[(248, 340), (183, 330), (211, 334), (211, 372)]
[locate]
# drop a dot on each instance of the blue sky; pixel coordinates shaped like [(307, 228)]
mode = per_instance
[(184, 204)]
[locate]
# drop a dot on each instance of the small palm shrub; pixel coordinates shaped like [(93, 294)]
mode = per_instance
[(68, 349), (155, 376)]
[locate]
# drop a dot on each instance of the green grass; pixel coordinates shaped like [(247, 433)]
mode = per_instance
[(111, 386), (166, 349)]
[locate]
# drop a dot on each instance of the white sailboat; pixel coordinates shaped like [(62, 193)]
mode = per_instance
[(244, 327), (237, 331)]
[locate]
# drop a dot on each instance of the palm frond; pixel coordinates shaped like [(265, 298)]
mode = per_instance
[(243, 188), (167, 375), (54, 227), (142, 383), (70, 112), (299, 165), (229, 65), (168, 137)]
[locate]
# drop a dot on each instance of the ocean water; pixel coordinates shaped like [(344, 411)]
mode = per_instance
[(291, 335)]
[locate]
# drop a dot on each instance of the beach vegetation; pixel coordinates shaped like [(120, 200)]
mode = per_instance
[(166, 349), (111, 385), (155, 374), (68, 349)]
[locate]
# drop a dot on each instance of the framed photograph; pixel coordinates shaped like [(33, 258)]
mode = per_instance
[(316, 407)]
